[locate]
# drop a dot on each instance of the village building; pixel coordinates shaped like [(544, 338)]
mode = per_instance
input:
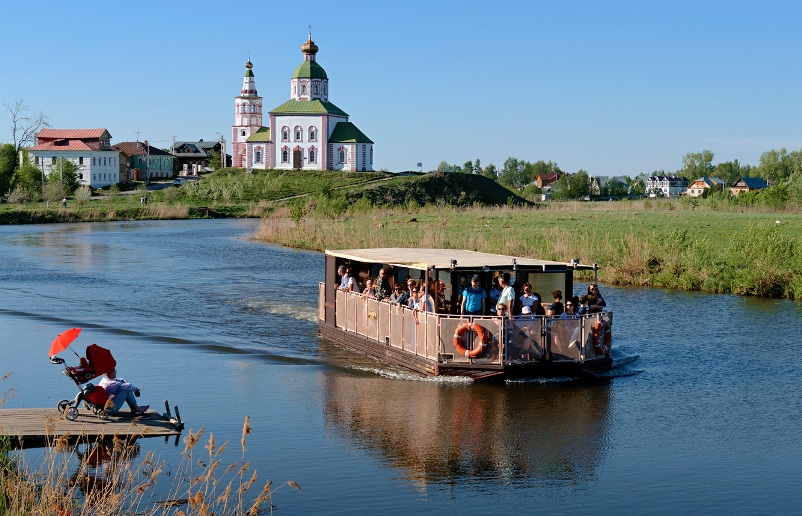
[(193, 157), (141, 161), (698, 187), (307, 132), (666, 186), (89, 149), (748, 184)]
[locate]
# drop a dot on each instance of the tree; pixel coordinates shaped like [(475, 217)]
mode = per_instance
[(513, 173), (24, 128), (490, 172), (215, 160), (28, 178), (572, 186), (777, 166), (698, 164), (8, 162), (477, 166), (467, 168), (65, 173)]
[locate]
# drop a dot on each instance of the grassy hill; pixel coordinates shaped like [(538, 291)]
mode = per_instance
[(437, 188)]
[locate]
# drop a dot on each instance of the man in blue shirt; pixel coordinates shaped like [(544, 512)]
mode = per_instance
[(473, 298)]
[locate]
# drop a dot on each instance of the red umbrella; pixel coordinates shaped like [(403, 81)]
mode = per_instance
[(63, 341)]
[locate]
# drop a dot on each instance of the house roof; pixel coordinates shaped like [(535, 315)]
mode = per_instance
[(261, 136), (138, 148), (347, 132), (309, 70), (77, 134), (710, 181), (753, 183), (308, 107), (67, 145), (199, 149)]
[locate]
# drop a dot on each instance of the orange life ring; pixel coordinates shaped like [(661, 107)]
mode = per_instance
[(480, 335), (602, 337)]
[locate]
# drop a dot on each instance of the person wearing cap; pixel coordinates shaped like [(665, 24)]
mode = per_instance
[(473, 298)]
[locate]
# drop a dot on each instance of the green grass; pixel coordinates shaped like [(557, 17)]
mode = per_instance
[(635, 243)]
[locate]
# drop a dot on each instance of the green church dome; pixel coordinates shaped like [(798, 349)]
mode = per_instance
[(309, 70)]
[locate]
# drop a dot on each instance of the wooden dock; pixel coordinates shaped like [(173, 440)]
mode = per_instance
[(30, 428)]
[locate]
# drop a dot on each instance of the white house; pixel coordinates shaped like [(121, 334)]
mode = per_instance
[(90, 149), (666, 186)]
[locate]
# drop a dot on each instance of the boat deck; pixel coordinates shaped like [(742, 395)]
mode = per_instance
[(33, 427)]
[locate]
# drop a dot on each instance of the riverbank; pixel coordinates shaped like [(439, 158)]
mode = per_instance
[(642, 243)]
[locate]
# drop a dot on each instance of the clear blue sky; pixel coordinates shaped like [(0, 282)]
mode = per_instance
[(611, 87)]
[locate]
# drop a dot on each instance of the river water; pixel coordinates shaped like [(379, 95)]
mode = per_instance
[(701, 414)]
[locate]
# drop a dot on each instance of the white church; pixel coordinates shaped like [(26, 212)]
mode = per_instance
[(306, 133)]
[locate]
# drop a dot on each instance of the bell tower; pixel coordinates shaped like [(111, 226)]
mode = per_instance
[(247, 118)]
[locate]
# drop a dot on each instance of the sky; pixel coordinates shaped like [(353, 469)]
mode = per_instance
[(609, 87)]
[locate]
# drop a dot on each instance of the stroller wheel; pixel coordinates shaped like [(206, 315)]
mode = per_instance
[(71, 413), (103, 414), (62, 405)]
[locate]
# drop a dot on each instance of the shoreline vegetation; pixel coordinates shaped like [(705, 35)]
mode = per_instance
[(715, 244)]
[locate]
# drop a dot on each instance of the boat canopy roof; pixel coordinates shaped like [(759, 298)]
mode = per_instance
[(417, 258)]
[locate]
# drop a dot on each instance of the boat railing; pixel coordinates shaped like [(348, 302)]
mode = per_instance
[(518, 339)]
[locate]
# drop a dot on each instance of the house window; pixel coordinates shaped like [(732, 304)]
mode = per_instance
[(285, 156), (258, 156), (104, 162), (80, 160), (36, 160), (53, 160)]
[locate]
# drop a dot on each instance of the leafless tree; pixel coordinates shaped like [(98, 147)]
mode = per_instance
[(24, 128)]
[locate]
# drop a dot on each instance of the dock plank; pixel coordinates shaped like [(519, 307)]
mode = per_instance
[(38, 426)]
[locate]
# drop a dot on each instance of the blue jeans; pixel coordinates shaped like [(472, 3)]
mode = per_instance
[(123, 397)]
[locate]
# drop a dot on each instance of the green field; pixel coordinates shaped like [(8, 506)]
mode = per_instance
[(664, 244)]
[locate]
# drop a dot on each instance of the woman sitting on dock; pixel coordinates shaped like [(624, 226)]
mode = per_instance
[(121, 392)]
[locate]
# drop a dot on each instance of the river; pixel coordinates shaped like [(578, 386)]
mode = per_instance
[(700, 415)]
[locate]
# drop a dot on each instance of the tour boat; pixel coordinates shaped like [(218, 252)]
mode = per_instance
[(481, 347)]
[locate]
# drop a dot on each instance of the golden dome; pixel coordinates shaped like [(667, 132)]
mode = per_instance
[(309, 47)]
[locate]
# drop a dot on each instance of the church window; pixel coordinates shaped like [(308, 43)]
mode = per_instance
[(285, 156), (312, 134), (104, 162), (243, 132), (298, 134), (285, 134), (258, 156), (311, 155), (303, 89), (371, 155), (316, 88), (342, 155)]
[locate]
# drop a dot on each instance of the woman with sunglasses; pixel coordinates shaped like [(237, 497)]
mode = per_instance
[(399, 295)]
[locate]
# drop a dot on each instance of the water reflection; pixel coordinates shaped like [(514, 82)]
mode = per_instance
[(441, 432)]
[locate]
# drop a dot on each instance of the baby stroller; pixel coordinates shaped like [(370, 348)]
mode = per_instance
[(98, 361)]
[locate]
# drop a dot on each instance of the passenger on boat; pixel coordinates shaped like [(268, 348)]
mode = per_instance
[(595, 300), (494, 294), (411, 284), (370, 290), (399, 295), (121, 392), (473, 298), (501, 310), (583, 305), (569, 309), (557, 307), (421, 302), (527, 297), (443, 303), (347, 282), (383, 288), (507, 296)]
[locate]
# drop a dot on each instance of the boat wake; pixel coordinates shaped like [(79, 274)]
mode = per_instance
[(296, 311)]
